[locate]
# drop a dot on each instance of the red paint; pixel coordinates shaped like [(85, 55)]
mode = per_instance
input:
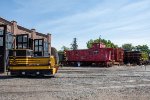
[(98, 53)]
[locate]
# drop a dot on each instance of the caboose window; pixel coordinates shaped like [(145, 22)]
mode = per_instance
[(95, 52)]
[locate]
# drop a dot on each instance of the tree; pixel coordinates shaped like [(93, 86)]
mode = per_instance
[(143, 48), (108, 43), (145, 51), (63, 48), (74, 45), (128, 46), (89, 43), (145, 56)]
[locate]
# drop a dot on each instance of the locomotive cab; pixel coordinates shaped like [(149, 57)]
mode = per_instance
[(23, 62)]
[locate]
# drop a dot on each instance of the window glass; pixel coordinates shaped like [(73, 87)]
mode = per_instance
[(1, 32), (24, 45), (25, 38), (29, 53), (9, 41), (19, 38), (9, 45), (45, 46), (21, 53), (9, 37), (19, 46), (40, 42), (1, 41), (36, 48), (36, 42), (40, 48)]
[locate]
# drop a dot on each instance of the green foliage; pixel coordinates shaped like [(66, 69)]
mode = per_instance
[(63, 48), (143, 48), (128, 46), (108, 43), (89, 43), (145, 56)]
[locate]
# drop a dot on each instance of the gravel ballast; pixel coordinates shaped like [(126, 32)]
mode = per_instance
[(80, 83)]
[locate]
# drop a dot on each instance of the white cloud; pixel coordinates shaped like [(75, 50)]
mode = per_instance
[(138, 5), (119, 21)]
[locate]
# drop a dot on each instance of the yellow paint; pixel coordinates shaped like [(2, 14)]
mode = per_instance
[(54, 70), (52, 61), (32, 63), (29, 60)]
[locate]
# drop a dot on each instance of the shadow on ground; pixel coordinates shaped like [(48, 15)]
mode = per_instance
[(29, 77)]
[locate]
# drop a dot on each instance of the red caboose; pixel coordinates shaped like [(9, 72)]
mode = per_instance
[(98, 55)]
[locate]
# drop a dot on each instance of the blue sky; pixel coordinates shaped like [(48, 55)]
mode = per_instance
[(121, 21)]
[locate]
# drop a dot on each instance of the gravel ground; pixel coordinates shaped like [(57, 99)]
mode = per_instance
[(80, 83)]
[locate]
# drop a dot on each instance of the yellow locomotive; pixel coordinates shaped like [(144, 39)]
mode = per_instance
[(22, 62)]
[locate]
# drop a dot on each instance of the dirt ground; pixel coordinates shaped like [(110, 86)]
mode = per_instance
[(81, 83)]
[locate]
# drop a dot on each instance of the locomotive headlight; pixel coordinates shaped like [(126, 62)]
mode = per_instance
[(23, 73), (37, 73)]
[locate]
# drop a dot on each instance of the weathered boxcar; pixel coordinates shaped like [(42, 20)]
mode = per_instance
[(97, 55), (135, 57)]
